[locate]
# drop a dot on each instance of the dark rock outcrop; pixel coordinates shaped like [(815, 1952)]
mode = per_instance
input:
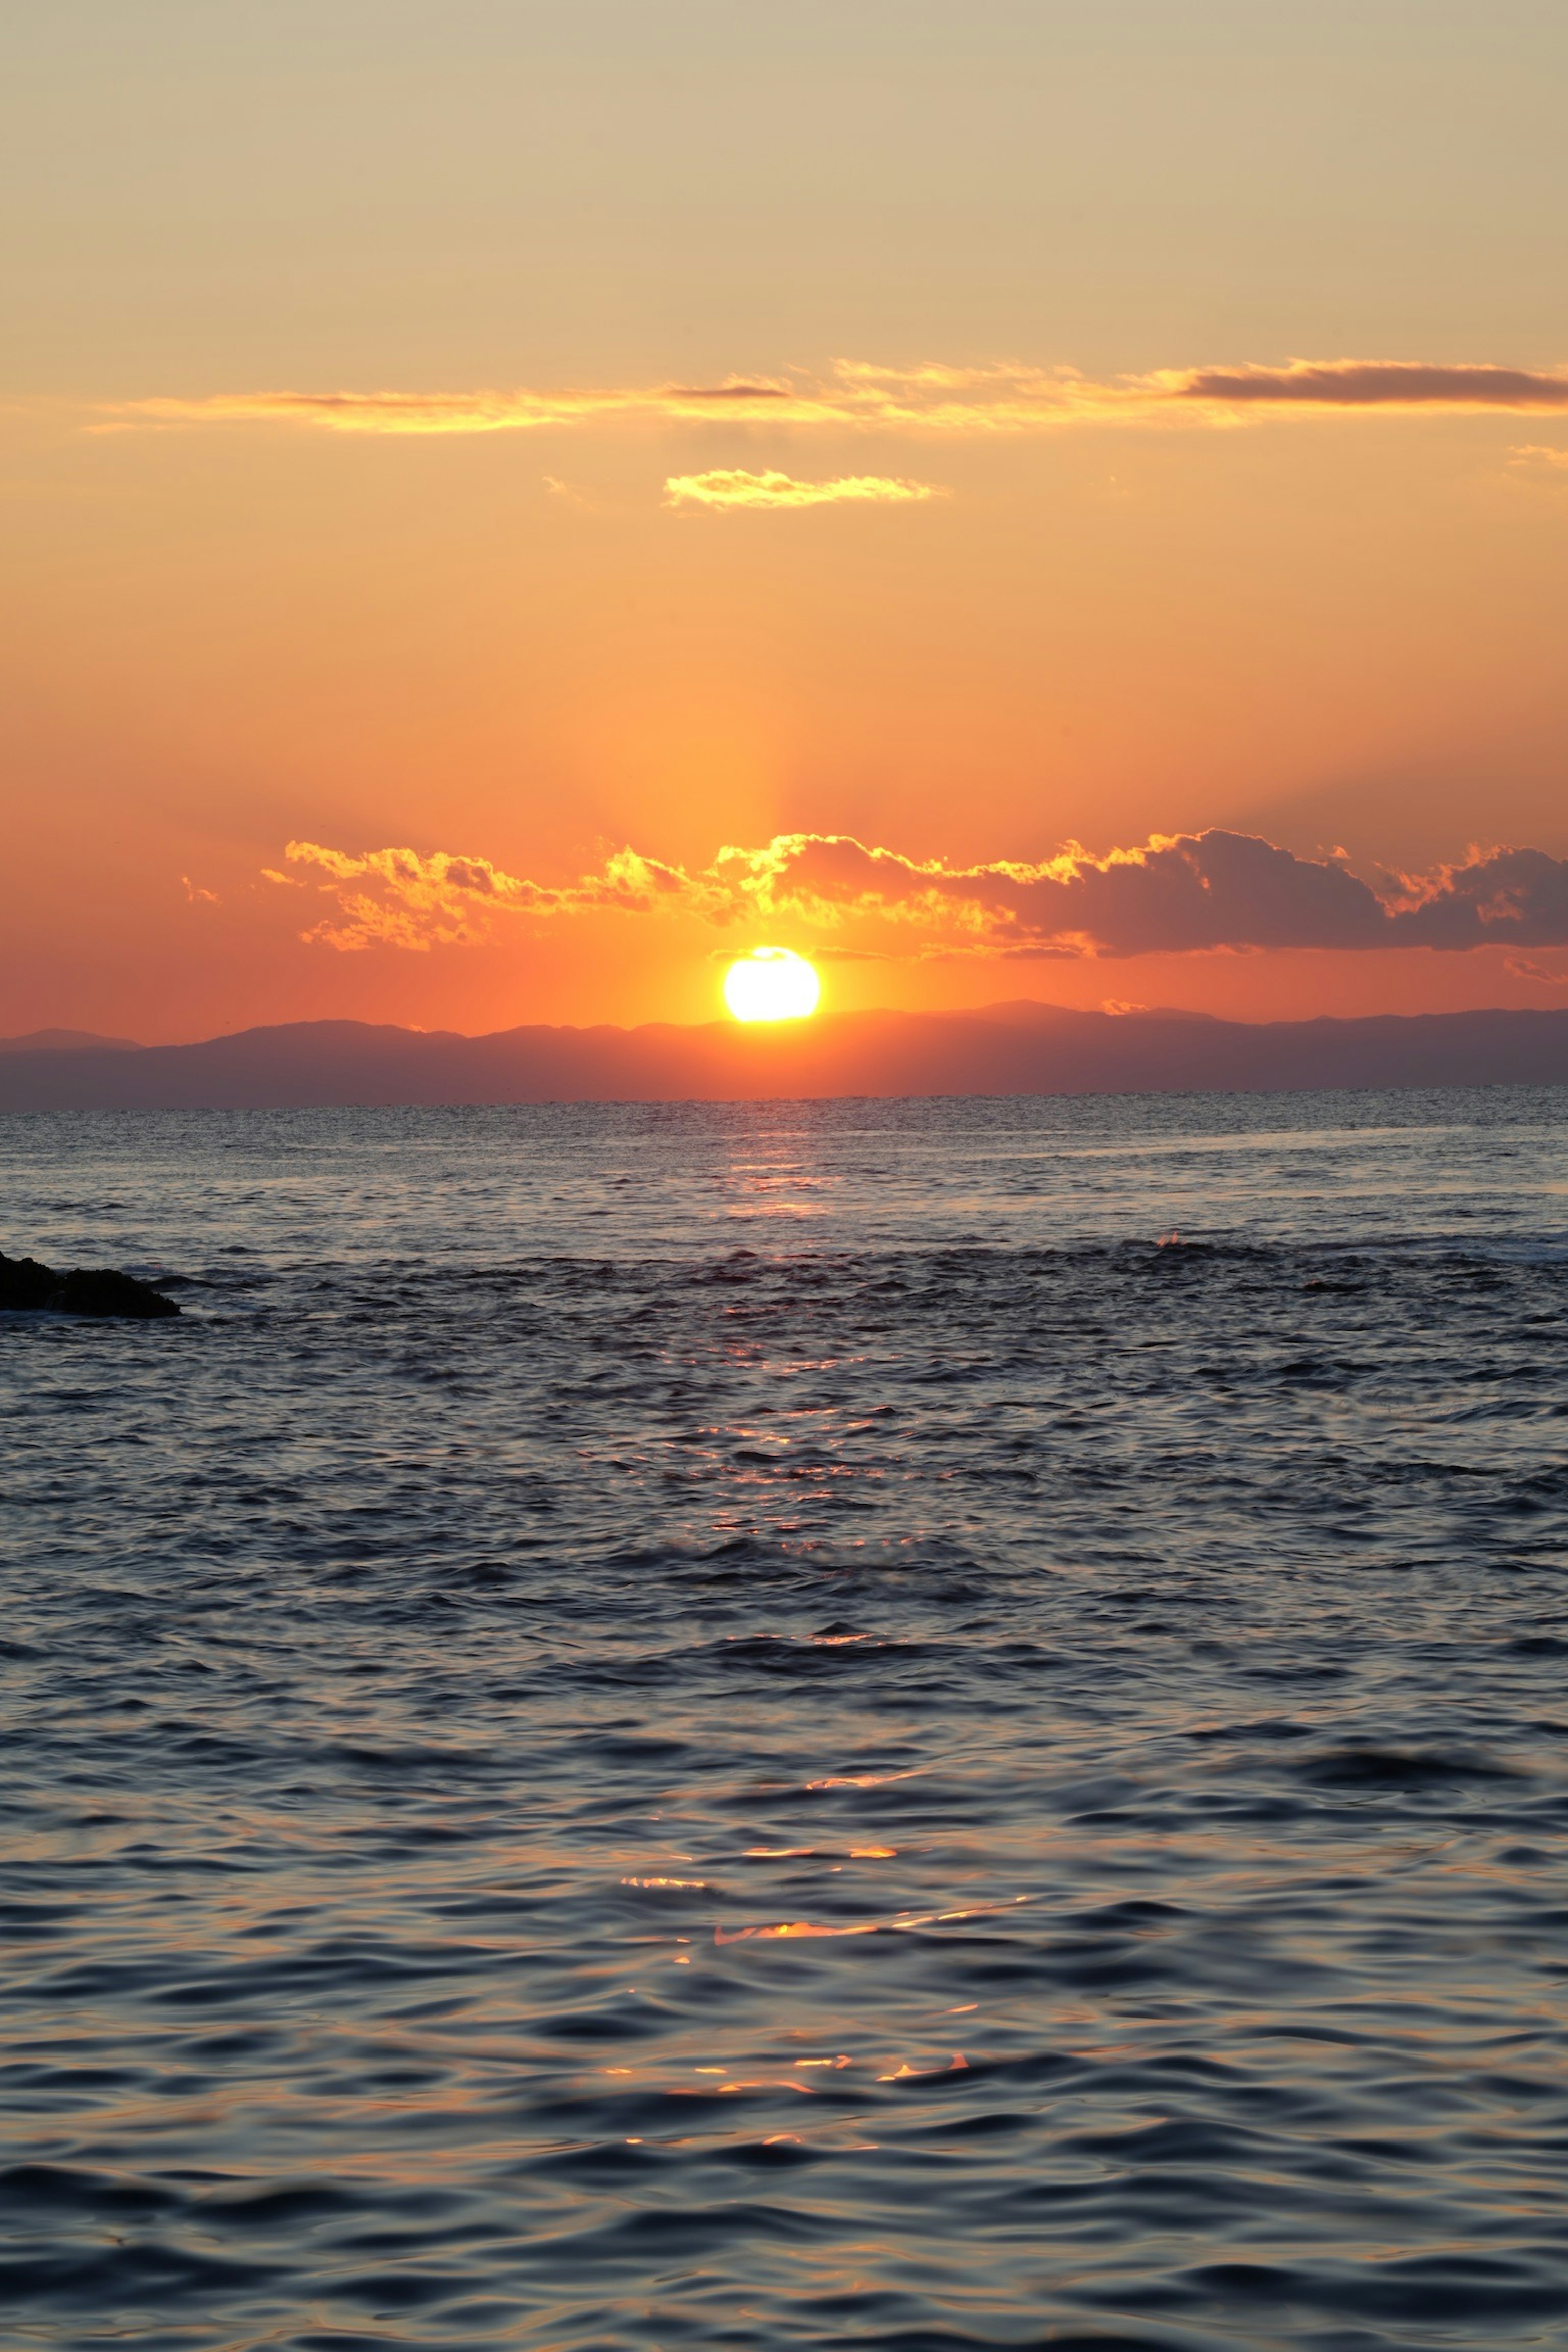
[(35, 1289)]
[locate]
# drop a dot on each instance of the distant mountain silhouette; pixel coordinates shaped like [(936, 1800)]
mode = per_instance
[(66, 1040), (1003, 1049)]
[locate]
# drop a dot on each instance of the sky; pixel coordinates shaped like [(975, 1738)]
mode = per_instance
[(505, 506)]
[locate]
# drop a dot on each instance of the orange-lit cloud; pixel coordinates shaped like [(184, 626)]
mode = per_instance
[(729, 486), (398, 898), (1175, 894), (520, 409), (932, 398)]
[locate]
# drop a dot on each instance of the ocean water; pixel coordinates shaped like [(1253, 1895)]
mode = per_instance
[(908, 1725)]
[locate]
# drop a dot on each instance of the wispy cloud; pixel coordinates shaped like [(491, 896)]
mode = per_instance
[(1008, 396), (730, 486), (1534, 458), (1173, 894), (484, 410)]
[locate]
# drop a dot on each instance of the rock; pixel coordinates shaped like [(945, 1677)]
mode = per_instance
[(35, 1289), (24, 1282), (101, 1291)]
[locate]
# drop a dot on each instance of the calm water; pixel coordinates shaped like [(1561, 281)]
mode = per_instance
[(772, 1727)]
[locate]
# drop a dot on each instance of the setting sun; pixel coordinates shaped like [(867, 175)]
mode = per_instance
[(772, 984)]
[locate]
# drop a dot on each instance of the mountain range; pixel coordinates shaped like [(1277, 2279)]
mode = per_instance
[(1003, 1049), (66, 1041)]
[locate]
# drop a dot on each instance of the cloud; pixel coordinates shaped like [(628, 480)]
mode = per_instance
[(399, 899), (1534, 456), (1509, 897), (484, 410), (1008, 396), (729, 486), (1177, 894), (1378, 384)]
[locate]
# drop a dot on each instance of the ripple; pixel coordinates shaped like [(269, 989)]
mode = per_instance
[(573, 1785)]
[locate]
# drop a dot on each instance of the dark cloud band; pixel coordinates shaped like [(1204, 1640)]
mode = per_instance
[(1182, 894), (1379, 384)]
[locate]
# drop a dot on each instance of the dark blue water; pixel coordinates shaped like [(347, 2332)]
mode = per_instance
[(778, 1726)]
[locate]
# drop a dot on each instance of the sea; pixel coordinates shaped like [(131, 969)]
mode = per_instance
[(910, 1725)]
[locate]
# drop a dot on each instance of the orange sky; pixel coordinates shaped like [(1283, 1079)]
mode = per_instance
[(520, 433)]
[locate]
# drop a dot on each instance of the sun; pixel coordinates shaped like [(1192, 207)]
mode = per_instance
[(772, 984)]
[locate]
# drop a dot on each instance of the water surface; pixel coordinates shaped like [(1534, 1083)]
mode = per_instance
[(791, 1726)]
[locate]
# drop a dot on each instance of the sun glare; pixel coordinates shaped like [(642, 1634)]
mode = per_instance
[(770, 984)]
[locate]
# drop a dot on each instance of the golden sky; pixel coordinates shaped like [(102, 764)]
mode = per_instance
[(506, 504)]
